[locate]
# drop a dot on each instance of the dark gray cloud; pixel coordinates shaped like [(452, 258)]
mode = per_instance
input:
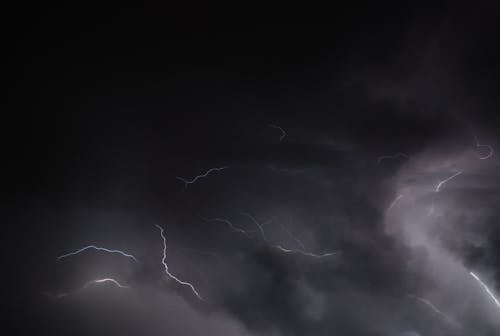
[(346, 92)]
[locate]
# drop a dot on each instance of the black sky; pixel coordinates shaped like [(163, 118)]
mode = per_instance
[(112, 104)]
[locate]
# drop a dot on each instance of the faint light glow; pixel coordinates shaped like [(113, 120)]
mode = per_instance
[(283, 133), (394, 156), (97, 248), (197, 177), (486, 289), (164, 262)]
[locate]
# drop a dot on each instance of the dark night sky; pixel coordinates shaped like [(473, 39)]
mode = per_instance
[(113, 104)]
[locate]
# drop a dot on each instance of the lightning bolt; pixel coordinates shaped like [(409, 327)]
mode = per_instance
[(486, 289), (85, 286), (490, 149), (433, 308), (164, 262), (97, 248), (438, 188), (280, 247), (228, 223), (113, 281), (196, 178), (297, 240), (395, 156), (305, 253), (394, 202), (283, 133), (259, 226), (440, 184)]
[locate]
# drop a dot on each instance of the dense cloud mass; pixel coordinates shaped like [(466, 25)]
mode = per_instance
[(357, 187)]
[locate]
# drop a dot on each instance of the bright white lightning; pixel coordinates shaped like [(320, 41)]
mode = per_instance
[(486, 289), (490, 149), (85, 286), (440, 184), (393, 203), (113, 281), (283, 133), (188, 182), (228, 223), (164, 262), (97, 248), (395, 156)]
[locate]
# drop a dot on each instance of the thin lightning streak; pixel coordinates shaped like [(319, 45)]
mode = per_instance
[(305, 253), (164, 262), (302, 250), (259, 226), (433, 308), (284, 249), (297, 240), (283, 133), (187, 182), (383, 157), (393, 203), (85, 286), (228, 223), (486, 289), (438, 187), (490, 149), (97, 249)]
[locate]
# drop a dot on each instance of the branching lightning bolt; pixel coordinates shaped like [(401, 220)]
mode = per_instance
[(228, 223), (302, 250), (259, 226), (283, 133), (490, 149), (196, 178), (164, 262), (486, 289), (297, 240), (284, 249), (97, 248), (85, 286), (395, 156)]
